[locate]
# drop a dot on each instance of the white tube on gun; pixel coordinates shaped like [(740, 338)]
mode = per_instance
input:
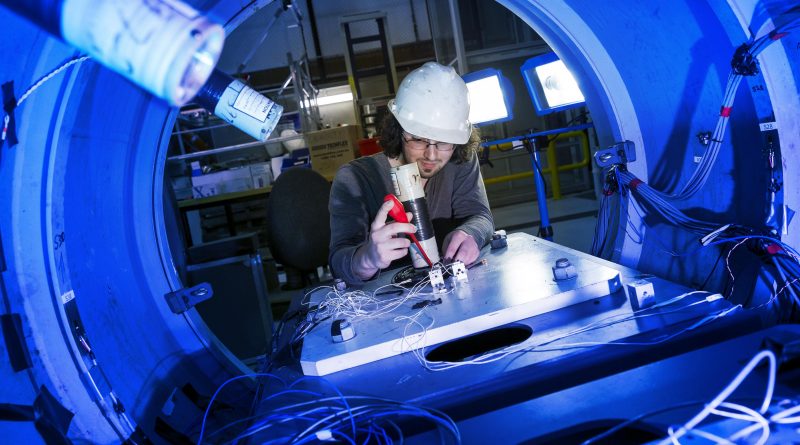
[(408, 187)]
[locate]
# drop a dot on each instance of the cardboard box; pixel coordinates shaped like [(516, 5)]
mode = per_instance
[(332, 148), (182, 186), (226, 181), (261, 173)]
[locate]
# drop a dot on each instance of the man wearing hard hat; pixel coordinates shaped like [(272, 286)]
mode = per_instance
[(428, 126)]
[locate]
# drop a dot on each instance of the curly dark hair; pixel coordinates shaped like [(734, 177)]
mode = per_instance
[(391, 139)]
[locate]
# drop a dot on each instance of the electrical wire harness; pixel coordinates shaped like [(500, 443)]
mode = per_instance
[(313, 410), (622, 190)]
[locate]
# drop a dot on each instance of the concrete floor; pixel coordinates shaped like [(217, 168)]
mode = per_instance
[(572, 218)]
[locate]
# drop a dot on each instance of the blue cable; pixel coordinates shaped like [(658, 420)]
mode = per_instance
[(738, 238), (350, 440), (320, 414), (292, 391), (386, 436), (264, 423), (422, 413), (344, 399), (232, 379), (731, 239), (369, 435)]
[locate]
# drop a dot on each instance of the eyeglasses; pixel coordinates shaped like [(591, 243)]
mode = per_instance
[(416, 143)]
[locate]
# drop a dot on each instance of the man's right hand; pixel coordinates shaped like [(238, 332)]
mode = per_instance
[(383, 245)]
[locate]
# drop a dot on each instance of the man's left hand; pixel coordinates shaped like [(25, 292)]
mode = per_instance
[(460, 246)]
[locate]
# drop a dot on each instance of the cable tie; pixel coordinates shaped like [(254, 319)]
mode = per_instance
[(777, 36), (9, 124), (744, 63), (774, 249), (713, 298), (713, 235), (635, 183), (324, 435), (725, 111)]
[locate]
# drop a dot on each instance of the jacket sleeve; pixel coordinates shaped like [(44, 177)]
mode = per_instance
[(349, 221), (469, 201)]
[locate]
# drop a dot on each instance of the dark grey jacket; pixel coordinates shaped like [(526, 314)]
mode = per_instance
[(456, 200)]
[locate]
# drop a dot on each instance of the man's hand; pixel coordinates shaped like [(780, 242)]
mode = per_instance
[(460, 246), (383, 245)]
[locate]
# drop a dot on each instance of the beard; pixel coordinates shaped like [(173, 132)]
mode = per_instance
[(430, 170)]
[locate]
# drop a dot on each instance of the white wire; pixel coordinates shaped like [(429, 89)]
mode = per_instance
[(728, 263), (778, 418), (49, 76), (748, 414), (360, 304), (782, 417), (712, 437), (727, 391), (602, 323)]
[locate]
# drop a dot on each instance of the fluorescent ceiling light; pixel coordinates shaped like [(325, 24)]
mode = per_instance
[(334, 99), (330, 100)]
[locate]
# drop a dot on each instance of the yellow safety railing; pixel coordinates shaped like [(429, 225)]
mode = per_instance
[(555, 183)]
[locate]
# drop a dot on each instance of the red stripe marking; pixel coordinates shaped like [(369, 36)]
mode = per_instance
[(774, 249)]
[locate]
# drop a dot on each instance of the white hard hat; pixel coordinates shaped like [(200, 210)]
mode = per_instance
[(433, 103)]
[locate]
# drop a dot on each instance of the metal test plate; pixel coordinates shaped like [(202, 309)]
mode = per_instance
[(517, 283)]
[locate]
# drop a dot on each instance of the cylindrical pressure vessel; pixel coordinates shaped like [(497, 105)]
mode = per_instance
[(238, 104), (164, 46)]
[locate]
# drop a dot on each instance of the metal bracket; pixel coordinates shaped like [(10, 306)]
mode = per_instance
[(182, 300), (619, 153), (744, 63), (436, 276), (18, 354)]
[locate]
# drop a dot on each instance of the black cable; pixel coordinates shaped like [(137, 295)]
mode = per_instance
[(633, 420), (581, 115), (716, 263), (410, 273)]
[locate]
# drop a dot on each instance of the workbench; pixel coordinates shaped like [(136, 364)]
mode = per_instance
[(472, 391)]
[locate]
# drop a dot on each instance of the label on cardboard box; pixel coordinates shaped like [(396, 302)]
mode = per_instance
[(261, 174), (333, 147)]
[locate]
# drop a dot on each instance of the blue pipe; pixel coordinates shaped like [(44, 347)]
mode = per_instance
[(545, 229), (540, 133)]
